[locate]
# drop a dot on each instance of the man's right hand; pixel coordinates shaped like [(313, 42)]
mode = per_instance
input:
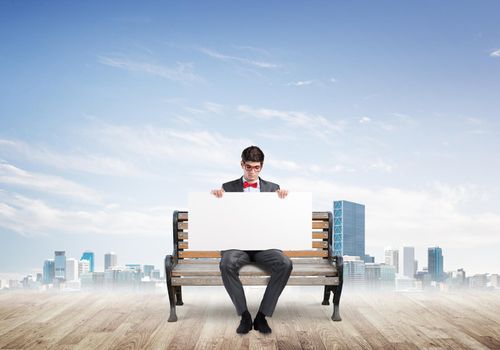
[(218, 193)]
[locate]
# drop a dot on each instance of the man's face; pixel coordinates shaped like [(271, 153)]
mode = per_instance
[(251, 170)]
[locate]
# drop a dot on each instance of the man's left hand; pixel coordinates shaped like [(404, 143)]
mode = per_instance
[(282, 193)]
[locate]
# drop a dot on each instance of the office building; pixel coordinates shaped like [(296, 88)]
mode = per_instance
[(408, 262), (48, 271), (349, 228), (148, 269), (71, 270), (83, 267), (90, 257), (392, 258), (110, 261), (60, 265), (354, 271), (435, 263)]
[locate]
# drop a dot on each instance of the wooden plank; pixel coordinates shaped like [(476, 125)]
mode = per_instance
[(316, 225), (254, 281), (252, 270), (216, 254), (295, 260), (320, 244), (315, 244), (316, 215), (183, 235), (320, 235)]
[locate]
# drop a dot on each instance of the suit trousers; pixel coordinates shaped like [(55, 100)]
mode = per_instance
[(271, 260)]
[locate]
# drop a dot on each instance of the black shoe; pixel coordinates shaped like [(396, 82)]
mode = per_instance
[(245, 323), (260, 323)]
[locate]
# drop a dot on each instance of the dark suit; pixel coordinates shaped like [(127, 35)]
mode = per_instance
[(271, 260)]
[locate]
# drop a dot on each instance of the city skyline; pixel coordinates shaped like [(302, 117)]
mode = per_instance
[(111, 114)]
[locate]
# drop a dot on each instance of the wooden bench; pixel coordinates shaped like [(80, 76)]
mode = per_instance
[(317, 266)]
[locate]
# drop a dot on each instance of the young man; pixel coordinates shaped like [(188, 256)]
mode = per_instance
[(272, 260)]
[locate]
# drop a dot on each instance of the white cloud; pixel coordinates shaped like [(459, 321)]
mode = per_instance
[(86, 163), (29, 216), (283, 164), (495, 53), (364, 120), (227, 58), (301, 83), (55, 185), (214, 107), (433, 215), (316, 124), (162, 143), (182, 72)]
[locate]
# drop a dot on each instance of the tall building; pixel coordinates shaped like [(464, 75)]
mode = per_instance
[(60, 264), (71, 270), (90, 257), (354, 271), (349, 228), (409, 262), (110, 261), (392, 258), (48, 271), (83, 267), (148, 269), (435, 263)]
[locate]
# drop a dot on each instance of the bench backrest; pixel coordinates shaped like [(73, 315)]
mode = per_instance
[(321, 235)]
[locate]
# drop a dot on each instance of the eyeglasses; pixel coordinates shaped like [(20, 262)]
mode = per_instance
[(249, 168)]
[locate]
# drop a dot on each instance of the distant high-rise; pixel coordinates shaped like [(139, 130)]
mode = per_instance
[(48, 271), (110, 261), (392, 257), (83, 267), (354, 271), (71, 270), (148, 269), (60, 265), (349, 228), (435, 263), (90, 257), (409, 262)]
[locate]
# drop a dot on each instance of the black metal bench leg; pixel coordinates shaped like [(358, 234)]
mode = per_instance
[(170, 288), (337, 290), (178, 295), (326, 295)]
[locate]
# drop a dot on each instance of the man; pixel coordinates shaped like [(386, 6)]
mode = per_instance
[(272, 260)]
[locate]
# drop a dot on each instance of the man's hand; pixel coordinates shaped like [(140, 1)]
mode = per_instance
[(218, 193), (282, 193)]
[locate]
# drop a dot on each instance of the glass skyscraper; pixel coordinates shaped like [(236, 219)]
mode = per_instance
[(349, 229), (90, 257), (435, 263), (60, 265), (48, 271)]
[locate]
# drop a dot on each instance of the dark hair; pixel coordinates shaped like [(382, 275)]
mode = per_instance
[(252, 154)]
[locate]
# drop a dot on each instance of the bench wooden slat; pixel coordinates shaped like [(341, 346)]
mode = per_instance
[(316, 225), (253, 270), (216, 254), (315, 235), (317, 244), (296, 261), (316, 215), (253, 281)]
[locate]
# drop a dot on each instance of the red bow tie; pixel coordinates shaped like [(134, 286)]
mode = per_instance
[(247, 184)]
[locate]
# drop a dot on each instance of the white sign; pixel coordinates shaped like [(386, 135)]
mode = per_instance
[(250, 221)]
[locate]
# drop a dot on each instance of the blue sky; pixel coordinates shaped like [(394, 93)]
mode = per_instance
[(110, 113)]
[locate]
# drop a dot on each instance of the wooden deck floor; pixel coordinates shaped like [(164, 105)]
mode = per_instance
[(208, 321)]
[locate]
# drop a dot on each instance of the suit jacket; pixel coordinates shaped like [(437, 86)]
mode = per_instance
[(237, 186)]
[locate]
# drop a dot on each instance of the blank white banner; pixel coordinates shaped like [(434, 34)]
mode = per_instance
[(250, 221)]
